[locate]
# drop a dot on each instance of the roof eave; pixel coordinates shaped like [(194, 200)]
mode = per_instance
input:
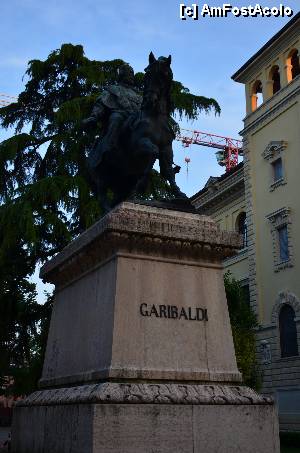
[(238, 76)]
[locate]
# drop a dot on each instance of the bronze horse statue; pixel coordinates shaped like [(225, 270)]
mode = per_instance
[(143, 137)]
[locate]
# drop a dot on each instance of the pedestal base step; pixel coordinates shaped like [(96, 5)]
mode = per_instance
[(146, 418)]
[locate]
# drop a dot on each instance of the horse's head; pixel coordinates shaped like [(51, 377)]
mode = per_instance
[(157, 84), (160, 67)]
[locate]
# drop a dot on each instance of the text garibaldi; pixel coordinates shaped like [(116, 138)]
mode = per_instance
[(174, 312)]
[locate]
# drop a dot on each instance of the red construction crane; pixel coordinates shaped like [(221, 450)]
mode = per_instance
[(229, 148)]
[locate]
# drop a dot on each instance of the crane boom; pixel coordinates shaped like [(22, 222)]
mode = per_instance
[(229, 148)]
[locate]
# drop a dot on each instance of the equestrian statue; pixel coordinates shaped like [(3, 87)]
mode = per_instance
[(136, 130)]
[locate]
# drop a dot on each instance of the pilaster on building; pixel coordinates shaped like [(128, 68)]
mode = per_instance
[(263, 191)]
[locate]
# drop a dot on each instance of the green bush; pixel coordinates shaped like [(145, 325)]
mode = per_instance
[(243, 323), (290, 439)]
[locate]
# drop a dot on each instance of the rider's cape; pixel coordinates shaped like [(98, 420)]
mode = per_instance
[(116, 98), (121, 98)]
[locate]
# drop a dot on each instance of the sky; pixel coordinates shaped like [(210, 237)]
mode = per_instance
[(205, 53)]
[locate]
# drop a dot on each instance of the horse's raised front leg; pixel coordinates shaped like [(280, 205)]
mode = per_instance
[(167, 171)]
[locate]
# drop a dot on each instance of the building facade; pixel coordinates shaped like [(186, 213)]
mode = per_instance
[(223, 198), (260, 199)]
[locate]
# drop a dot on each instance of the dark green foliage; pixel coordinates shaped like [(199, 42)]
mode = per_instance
[(27, 375), (22, 324), (23, 357), (243, 322), (158, 188), (290, 440), (190, 105), (285, 449), (45, 194)]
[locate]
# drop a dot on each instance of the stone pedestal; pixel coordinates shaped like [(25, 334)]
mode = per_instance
[(140, 355)]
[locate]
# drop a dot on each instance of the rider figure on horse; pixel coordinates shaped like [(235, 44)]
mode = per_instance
[(112, 108), (135, 131)]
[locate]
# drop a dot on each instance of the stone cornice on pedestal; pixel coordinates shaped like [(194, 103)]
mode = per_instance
[(145, 230)]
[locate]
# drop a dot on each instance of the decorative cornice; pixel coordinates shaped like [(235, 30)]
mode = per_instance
[(279, 216), (273, 149), (285, 297), (137, 393), (145, 230), (277, 183)]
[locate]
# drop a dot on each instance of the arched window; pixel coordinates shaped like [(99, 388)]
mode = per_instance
[(294, 62), (288, 332), (241, 227), (275, 77), (256, 95)]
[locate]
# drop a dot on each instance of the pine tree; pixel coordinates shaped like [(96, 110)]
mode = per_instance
[(19, 315), (44, 194)]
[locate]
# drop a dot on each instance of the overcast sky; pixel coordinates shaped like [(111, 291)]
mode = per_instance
[(205, 53)]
